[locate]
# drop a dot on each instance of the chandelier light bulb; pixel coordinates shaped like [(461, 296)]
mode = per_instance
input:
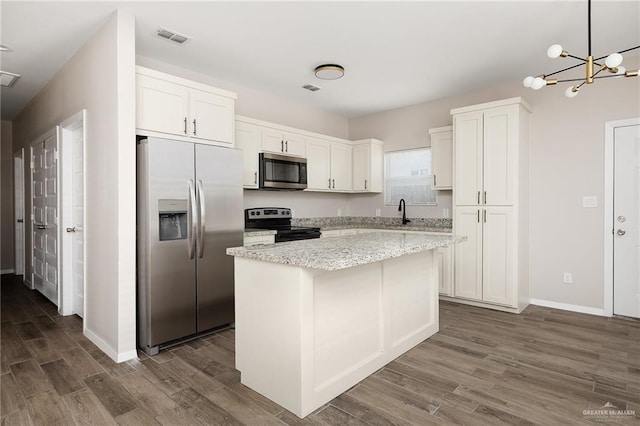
[(613, 60), (538, 83), (621, 70), (571, 92), (527, 81), (554, 51)]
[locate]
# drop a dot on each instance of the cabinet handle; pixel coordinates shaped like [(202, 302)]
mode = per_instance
[(282, 146), (329, 183), (478, 197), (185, 125), (286, 146), (365, 184), (334, 183), (434, 181), (255, 177), (194, 126), (478, 215), (484, 215), (485, 197)]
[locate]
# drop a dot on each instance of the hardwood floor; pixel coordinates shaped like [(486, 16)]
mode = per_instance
[(544, 367)]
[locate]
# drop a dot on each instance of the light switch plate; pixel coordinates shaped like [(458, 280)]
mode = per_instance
[(590, 201)]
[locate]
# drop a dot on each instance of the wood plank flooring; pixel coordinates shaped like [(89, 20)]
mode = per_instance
[(542, 367)]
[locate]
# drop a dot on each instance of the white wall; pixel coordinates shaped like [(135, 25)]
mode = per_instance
[(101, 79), (566, 164), (6, 197)]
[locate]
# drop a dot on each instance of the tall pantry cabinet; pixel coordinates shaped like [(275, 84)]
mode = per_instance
[(491, 204)]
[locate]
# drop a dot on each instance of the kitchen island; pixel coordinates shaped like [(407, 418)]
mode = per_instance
[(315, 317)]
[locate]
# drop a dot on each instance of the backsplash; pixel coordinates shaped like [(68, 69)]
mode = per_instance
[(363, 222)]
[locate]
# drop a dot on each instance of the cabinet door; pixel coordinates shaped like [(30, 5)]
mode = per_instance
[(272, 140), (445, 270), (442, 160), (247, 139), (468, 158), (500, 156), (498, 256), (211, 116), (341, 164), (468, 254), (161, 106), (294, 144), (318, 168), (361, 167)]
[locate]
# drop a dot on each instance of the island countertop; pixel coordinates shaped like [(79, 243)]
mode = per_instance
[(332, 254)]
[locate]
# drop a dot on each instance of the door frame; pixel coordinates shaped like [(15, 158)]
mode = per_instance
[(609, 134), (76, 122), (18, 186)]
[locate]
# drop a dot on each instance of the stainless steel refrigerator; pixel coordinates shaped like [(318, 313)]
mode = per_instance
[(189, 211)]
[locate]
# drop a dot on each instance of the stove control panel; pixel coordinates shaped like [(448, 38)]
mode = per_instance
[(268, 213)]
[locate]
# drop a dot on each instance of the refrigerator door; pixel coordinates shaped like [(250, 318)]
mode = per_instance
[(219, 192), (167, 266)]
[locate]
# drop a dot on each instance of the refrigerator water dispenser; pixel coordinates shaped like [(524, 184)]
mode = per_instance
[(173, 219)]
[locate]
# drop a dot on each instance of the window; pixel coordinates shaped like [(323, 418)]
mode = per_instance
[(408, 175)]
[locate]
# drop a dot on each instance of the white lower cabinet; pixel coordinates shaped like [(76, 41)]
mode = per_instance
[(445, 270), (484, 264)]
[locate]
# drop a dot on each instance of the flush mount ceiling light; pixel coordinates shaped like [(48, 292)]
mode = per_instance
[(329, 71), (8, 79), (611, 65)]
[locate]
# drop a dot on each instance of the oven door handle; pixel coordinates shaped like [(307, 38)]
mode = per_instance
[(201, 220)]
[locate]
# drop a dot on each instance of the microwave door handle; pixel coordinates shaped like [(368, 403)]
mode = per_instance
[(201, 202), (191, 209)]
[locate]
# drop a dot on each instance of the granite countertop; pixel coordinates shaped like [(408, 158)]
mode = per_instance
[(391, 223), (331, 254), (408, 227), (259, 232)]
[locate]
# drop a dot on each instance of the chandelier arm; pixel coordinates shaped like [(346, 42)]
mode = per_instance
[(621, 51), (564, 69)]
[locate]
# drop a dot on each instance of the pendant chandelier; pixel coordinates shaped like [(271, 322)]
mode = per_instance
[(593, 66)]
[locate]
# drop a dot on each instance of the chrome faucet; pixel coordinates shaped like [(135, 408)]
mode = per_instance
[(403, 208)]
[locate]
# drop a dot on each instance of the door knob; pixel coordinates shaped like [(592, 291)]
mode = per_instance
[(621, 232), (20, 221), (71, 229)]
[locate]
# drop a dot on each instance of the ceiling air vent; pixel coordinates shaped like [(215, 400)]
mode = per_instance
[(311, 87), (172, 35)]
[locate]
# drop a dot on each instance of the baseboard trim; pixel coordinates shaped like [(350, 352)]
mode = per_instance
[(568, 307), (107, 349), (7, 271)]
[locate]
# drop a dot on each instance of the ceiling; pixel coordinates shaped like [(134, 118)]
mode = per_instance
[(395, 53)]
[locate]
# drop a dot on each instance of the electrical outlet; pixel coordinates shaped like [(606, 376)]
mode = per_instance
[(339, 212), (293, 213), (445, 213), (377, 212), (568, 278)]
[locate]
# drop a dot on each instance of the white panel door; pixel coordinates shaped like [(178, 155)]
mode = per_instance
[(77, 222), (161, 106), (211, 116), (626, 222), (247, 139), (18, 205), (37, 216), (318, 165), (468, 254), (499, 155), (341, 166), (468, 158), (498, 278)]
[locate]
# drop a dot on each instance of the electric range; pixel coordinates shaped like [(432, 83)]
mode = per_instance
[(279, 220)]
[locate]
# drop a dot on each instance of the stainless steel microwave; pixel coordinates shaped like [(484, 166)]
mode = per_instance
[(282, 171)]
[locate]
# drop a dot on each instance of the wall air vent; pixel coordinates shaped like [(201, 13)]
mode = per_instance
[(172, 35), (311, 87)]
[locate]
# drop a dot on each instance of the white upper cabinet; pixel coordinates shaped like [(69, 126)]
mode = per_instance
[(368, 166), (279, 142), (169, 106), (485, 146), (341, 166), (248, 140), (318, 165), (442, 157)]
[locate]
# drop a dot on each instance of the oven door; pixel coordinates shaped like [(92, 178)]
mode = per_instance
[(282, 172)]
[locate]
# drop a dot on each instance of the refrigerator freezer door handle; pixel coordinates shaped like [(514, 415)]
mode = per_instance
[(191, 223), (201, 202)]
